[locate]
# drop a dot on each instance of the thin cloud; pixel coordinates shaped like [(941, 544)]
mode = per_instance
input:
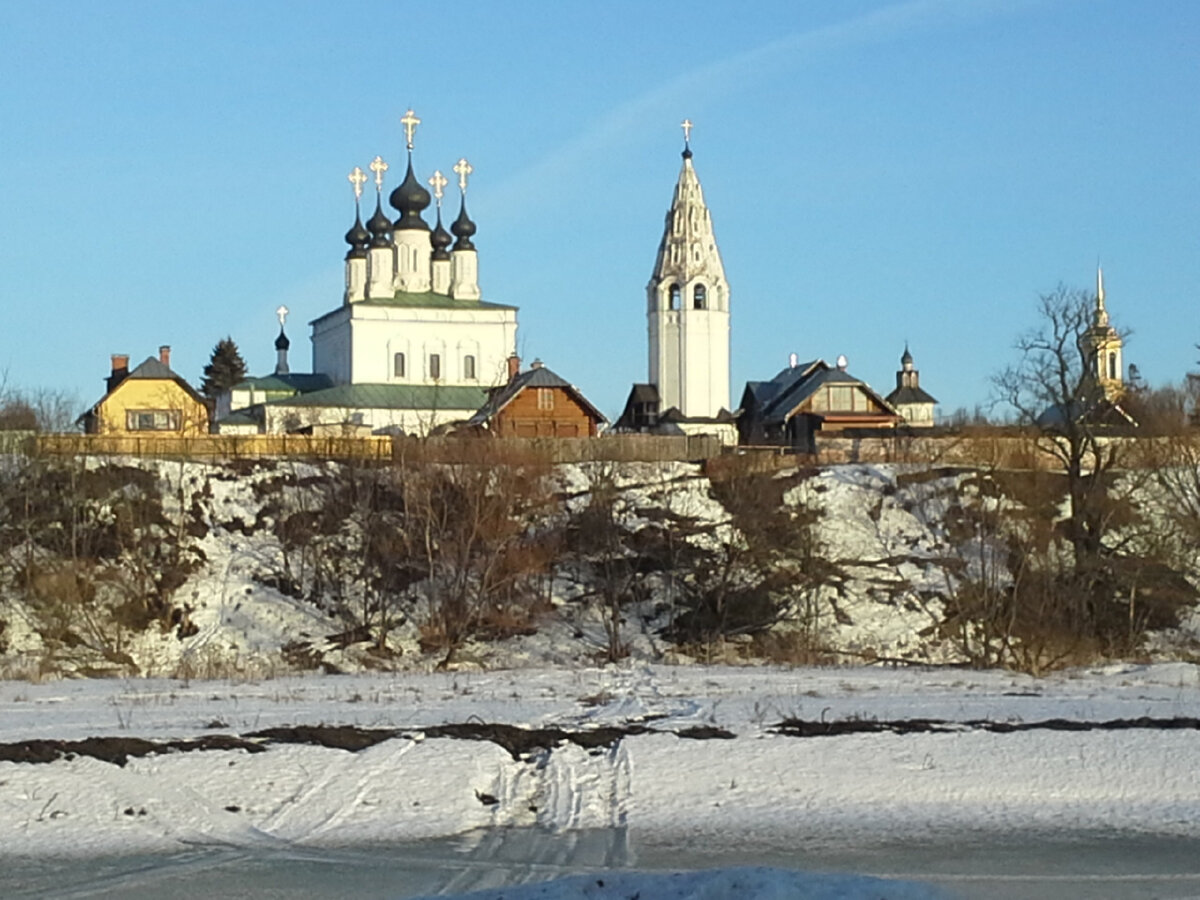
[(733, 74)]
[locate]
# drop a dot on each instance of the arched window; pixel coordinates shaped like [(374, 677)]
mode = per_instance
[(675, 295), (435, 366), (469, 367), (1112, 366), (700, 297), (398, 365)]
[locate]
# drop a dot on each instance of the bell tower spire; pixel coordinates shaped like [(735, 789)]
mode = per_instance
[(688, 304), (1102, 345)]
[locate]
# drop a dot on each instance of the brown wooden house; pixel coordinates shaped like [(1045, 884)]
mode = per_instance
[(538, 403), (807, 398)]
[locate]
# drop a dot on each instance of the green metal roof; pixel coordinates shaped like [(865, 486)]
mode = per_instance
[(287, 383), (422, 300), (391, 396)]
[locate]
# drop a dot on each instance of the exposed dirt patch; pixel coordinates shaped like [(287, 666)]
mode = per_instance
[(117, 750), (337, 737), (806, 728), (521, 742)]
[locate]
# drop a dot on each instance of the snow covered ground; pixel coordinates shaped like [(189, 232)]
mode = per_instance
[(694, 758)]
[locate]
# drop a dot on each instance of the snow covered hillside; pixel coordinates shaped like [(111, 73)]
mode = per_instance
[(200, 570)]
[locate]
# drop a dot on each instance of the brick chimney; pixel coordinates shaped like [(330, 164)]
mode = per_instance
[(514, 366), (120, 370), (164, 355)]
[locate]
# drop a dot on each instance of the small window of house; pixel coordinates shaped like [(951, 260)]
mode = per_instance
[(398, 365), (152, 420), (435, 366), (469, 367), (545, 398), (841, 398), (700, 297), (675, 296)]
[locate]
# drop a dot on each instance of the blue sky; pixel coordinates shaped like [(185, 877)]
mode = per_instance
[(877, 171)]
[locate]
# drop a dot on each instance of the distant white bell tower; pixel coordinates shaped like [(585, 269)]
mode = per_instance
[(688, 305)]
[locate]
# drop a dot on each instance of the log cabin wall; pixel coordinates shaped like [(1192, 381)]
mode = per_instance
[(544, 412)]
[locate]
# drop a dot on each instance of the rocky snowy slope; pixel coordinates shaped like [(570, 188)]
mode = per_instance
[(256, 569)]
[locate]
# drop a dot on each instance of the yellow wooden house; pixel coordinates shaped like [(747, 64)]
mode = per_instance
[(150, 400)]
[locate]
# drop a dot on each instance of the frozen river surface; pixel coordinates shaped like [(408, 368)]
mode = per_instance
[(1057, 867), (982, 784)]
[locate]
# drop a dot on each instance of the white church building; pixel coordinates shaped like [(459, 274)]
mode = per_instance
[(687, 313), (412, 346)]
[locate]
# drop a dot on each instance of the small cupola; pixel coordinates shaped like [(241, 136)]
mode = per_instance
[(410, 200), (357, 237), (282, 344), (380, 227), (440, 239), (463, 228)]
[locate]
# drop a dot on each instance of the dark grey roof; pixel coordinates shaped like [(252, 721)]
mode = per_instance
[(644, 393), (674, 415), (1098, 413), (538, 377), (909, 395), (152, 368), (779, 397), (631, 418)]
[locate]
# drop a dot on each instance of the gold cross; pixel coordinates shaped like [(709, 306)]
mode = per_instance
[(378, 166), (282, 312), (438, 182), (357, 178), (463, 169), (410, 123), (686, 125)]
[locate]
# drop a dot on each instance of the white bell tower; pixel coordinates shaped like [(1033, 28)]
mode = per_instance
[(688, 305)]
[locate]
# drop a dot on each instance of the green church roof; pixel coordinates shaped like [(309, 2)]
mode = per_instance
[(391, 396), (421, 300)]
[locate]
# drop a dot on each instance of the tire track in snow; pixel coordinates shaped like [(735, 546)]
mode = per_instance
[(365, 768)]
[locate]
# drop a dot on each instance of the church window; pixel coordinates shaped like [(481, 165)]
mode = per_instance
[(675, 295), (700, 297), (545, 398), (435, 366), (152, 420), (1112, 366), (469, 367), (398, 365)]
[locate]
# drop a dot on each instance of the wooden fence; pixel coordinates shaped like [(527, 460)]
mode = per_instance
[(993, 448), (614, 448), (218, 446)]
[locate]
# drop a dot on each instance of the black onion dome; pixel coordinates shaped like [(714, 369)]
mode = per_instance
[(358, 238), (687, 152), (440, 239), (409, 200), (906, 359), (282, 342), (381, 227), (463, 229)]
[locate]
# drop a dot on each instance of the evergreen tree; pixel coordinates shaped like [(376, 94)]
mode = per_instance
[(226, 369)]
